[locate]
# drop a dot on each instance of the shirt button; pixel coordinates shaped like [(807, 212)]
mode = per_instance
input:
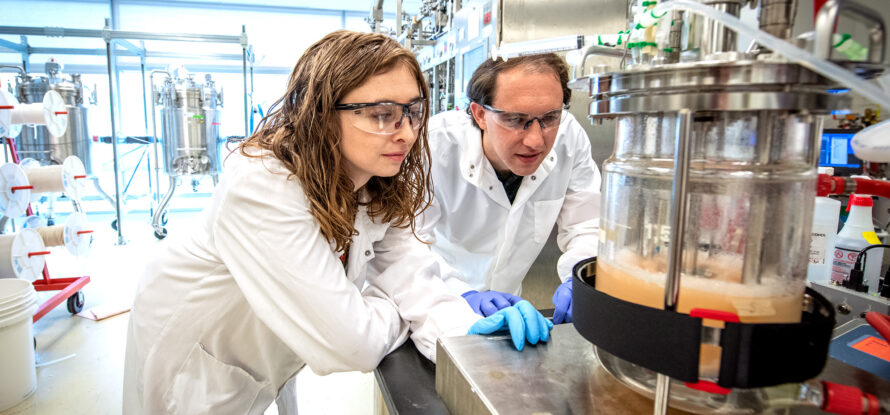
[(551, 158), (471, 174), (367, 253), (472, 166), (533, 177), (490, 187)]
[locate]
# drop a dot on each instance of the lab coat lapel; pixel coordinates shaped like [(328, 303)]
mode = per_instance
[(478, 171), (362, 249)]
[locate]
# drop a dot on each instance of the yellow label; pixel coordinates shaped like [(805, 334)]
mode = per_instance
[(871, 238)]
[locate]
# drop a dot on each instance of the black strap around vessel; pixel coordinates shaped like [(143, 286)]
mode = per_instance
[(753, 355)]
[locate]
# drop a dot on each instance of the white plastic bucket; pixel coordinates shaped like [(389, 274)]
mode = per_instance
[(18, 376)]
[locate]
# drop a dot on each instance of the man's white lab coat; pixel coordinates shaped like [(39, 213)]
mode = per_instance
[(489, 243), (229, 312)]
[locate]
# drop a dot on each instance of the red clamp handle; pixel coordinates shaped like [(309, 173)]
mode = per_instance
[(84, 232), (881, 323), (14, 188), (30, 254)]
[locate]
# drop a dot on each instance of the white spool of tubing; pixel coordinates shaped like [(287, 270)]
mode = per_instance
[(75, 236), (15, 190), (27, 164), (51, 112), (22, 255), (7, 104), (68, 177)]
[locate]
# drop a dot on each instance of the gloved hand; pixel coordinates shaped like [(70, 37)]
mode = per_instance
[(524, 322), (487, 303), (562, 299)]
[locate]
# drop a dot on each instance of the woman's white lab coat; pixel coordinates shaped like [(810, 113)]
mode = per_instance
[(226, 314), (489, 243)]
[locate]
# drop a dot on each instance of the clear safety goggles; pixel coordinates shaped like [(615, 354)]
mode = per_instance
[(518, 121), (384, 117)]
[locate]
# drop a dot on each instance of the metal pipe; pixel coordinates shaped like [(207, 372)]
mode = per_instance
[(827, 19), (154, 134), (244, 75), (115, 34), (20, 69), (398, 18), (675, 249), (156, 218), (117, 189)]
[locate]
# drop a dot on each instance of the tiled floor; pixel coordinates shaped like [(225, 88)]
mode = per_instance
[(88, 379)]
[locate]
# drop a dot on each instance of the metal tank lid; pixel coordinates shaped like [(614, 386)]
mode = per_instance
[(744, 85)]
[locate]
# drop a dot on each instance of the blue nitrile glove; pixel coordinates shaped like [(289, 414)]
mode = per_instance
[(562, 299), (524, 322), (487, 303)]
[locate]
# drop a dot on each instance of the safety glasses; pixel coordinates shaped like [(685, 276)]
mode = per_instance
[(384, 117), (518, 121)]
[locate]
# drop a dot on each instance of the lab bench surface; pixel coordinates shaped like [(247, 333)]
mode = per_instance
[(562, 377)]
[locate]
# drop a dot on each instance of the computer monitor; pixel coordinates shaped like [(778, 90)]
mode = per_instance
[(837, 152)]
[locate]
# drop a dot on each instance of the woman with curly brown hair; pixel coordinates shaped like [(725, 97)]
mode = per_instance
[(307, 254)]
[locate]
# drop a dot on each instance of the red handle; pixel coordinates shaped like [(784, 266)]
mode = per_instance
[(61, 112), (80, 176), (30, 254), (6, 107), (881, 323), (83, 232), (14, 188)]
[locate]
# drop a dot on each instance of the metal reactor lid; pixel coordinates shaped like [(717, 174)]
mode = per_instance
[(711, 86)]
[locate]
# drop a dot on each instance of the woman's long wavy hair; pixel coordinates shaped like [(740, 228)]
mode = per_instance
[(303, 131)]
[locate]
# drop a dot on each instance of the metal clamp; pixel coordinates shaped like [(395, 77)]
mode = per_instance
[(827, 19)]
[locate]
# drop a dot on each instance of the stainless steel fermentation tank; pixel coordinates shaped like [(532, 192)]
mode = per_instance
[(190, 115), (37, 143)]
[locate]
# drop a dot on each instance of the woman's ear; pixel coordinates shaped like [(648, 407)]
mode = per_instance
[(478, 114)]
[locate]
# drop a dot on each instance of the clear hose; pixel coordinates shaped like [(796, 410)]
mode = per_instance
[(791, 52)]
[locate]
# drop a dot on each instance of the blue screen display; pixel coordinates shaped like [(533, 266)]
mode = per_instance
[(836, 150)]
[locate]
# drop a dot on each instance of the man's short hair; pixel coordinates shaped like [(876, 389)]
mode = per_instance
[(481, 88)]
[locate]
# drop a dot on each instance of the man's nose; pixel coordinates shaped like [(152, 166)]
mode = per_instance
[(534, 134)]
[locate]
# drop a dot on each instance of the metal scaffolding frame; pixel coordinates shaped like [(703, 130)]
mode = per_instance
[(114, 38)]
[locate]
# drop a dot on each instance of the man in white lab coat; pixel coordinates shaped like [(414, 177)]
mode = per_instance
[(504, 171)]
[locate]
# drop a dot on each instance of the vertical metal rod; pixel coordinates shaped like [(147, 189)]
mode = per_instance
[(154, 133), (151, 185), (675, 250), (117, 186), (244, 74)]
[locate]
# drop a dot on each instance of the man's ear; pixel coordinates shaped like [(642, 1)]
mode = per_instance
[(478, 114)]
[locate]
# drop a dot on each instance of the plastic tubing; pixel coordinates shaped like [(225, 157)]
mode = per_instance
[(793, 53)]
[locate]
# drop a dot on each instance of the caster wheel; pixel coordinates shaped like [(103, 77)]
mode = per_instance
[(75, 303), (114, 224), (162, 234), (50, 222)]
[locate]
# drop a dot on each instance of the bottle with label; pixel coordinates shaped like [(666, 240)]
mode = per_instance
[(822, 238), (857, 233)]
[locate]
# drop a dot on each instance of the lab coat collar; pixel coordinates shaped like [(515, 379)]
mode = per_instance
[(477, 170)]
